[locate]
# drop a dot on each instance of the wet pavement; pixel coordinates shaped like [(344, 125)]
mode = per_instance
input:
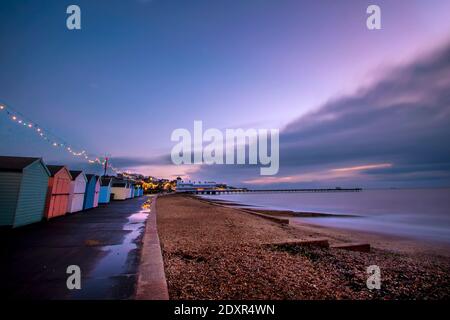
[(104, 242)]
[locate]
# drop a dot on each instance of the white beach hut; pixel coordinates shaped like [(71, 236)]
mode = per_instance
[(77, 190), (120, 189)]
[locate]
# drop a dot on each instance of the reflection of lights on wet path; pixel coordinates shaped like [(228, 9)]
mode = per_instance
[(115, 261), (102, 280), (147, 205)]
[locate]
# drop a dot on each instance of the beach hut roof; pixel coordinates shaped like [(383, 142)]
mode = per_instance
[(119, 183), (106, 181), (17, 164), (90, 176), (75, 173), (55, 169)]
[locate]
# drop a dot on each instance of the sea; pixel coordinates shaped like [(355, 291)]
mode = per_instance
[(416, 213)]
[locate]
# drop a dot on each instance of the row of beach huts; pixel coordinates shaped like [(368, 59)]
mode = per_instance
[(31, 191)]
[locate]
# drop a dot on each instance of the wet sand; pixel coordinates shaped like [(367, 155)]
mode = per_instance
[(215, 252)]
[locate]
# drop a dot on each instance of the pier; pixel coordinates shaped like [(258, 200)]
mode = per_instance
[(234, 191)]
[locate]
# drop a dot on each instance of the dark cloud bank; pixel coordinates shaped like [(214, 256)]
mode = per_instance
[(403, 119)]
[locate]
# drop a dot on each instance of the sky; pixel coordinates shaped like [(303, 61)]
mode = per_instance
[(355, 107)]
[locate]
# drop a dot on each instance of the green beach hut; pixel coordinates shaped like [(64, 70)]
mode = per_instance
[(23, 190)]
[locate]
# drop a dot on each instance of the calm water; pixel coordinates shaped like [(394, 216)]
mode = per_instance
[(418, 213)]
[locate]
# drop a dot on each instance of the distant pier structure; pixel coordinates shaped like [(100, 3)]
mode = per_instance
[(233, 191), (213, 188)]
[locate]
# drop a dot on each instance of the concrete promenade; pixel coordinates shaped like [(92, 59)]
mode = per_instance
[(105, 242)]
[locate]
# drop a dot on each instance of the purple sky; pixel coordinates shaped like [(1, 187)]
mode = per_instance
[(140, 69)]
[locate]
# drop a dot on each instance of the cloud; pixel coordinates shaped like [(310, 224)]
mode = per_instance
[(322, 175), (365, 167), (402, 120), (393, 133), (130, 162), (160, 166)]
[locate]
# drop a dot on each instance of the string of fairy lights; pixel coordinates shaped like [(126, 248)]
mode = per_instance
[(52, 139)]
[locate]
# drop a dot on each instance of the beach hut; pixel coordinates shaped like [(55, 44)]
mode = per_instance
[(77, 190), (119, 189), (137, 191), (92, 191), (105, 190), (131, 190), (128, 195), (58, 191), (23, 189)]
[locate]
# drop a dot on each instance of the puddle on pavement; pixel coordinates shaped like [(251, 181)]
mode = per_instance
[(112, 271)]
